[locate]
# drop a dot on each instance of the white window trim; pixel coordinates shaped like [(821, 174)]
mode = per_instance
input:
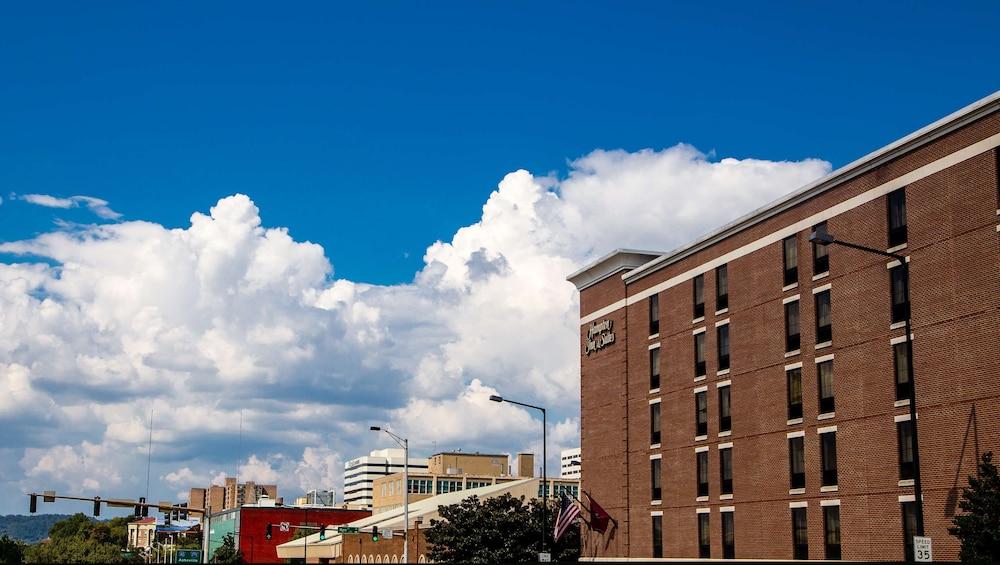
[(703, 388), (700, 438), (822, 275), (907, 498), (795, 365), (906, 483), (655, 336), (656, 513), (727, 509), (701, 449), (794, 491), (799, 433), (794, 421), (726, 433), (654, 346), (899, 247), (726, 496), (826, 416), (790, 299), (901, 418), (798, 504), (721, 323), (654, 390), (901, 403), (823, 288), (654, 446), (792, 353), (655, 502), (725, 445), (699, 379), (697, 331), (824, 344), (723, 311), (656, 400), (701, 499), (722, 373), (897, 325), (829, 488), (824, 358), (698, 319), (834, 502), (656, 456), (702, 510), (723, 384), (826, 430), (788, 287)]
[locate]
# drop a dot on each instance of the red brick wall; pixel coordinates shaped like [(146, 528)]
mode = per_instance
[(955, 269), (256, 548)]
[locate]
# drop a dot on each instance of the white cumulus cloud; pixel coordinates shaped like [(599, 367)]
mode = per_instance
[(96, 205)]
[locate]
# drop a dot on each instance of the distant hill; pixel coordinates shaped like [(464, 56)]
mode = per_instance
[(30, 529)]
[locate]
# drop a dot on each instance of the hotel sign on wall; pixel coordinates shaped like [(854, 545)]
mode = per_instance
[(599, 335)]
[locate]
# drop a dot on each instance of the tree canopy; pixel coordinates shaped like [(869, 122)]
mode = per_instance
[(978, 528), (78, 539), (503, 529)]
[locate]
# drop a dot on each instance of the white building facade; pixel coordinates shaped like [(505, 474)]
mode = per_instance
[(360, 474), (569, 463)]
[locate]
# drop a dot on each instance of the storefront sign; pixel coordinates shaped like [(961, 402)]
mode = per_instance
[(599, 336)]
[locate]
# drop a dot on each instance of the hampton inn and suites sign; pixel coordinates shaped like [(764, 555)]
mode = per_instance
[(599, 336)]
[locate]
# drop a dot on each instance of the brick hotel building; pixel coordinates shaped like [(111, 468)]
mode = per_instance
[(746, 396)]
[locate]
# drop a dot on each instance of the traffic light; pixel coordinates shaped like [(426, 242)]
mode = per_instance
[(97, 506), (143, 509), (267, 531), (322, 533), (33, 503), (375, 533)]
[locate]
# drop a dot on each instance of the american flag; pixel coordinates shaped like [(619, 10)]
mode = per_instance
[(568, 513)]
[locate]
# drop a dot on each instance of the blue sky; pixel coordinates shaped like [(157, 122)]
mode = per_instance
[(376, 130)]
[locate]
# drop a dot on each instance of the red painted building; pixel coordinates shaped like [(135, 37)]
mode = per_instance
[(249, 524)]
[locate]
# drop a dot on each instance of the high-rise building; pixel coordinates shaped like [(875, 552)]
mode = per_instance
[(754, 395), (569, 463), (232, 495), (361, 472), (317, 497)]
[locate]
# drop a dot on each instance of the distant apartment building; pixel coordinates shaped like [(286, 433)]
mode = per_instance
[(569, 463), (232, 495), (317, 497), (361, 472), (453, 472)]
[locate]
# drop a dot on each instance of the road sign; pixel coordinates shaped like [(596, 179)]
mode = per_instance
[(922, 549), (283, 526), (346, 530), (544, 557), (188, 556), (387, 533)]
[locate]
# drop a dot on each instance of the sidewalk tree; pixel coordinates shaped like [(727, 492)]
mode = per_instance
[(978, 527), (228, 552)]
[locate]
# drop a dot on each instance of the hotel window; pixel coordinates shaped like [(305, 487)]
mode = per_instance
[(900, 306), (909, 528), (821, 253), (792, 326), (654, 423), (702, 461), (654, 473), (828, 455), (699, 355), (722, 341), (701, 413), (904, 433), (901, 365), (824, 374), (794, 377), (721, 288), (831, 527), (725, 410), (654, 314), (699, 296), (800, 534), (444, 486), (657, 537), (704, 536), (897, 217), (728, 536), (797, 462), (790, 248), (654, 368), (726, 470), (824, 319)]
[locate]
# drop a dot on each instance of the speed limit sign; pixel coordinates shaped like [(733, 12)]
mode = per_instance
[(922, 549), (283, 526)]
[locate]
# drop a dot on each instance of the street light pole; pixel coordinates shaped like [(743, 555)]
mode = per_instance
[(405, 444), (545, 480), (918, 494)]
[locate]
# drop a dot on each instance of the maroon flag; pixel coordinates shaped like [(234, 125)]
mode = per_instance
[(599, 517)]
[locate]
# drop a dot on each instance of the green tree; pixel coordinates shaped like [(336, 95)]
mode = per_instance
[(228, 552), (503, 529), (11, 551), (978, 528), (79, 539)]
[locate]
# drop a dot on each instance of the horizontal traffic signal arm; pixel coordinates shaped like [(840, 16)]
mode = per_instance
[(50, 496)]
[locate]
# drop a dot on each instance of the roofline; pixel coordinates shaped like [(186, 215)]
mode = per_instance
[(581, 279), (470, 454), (923, 136)]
